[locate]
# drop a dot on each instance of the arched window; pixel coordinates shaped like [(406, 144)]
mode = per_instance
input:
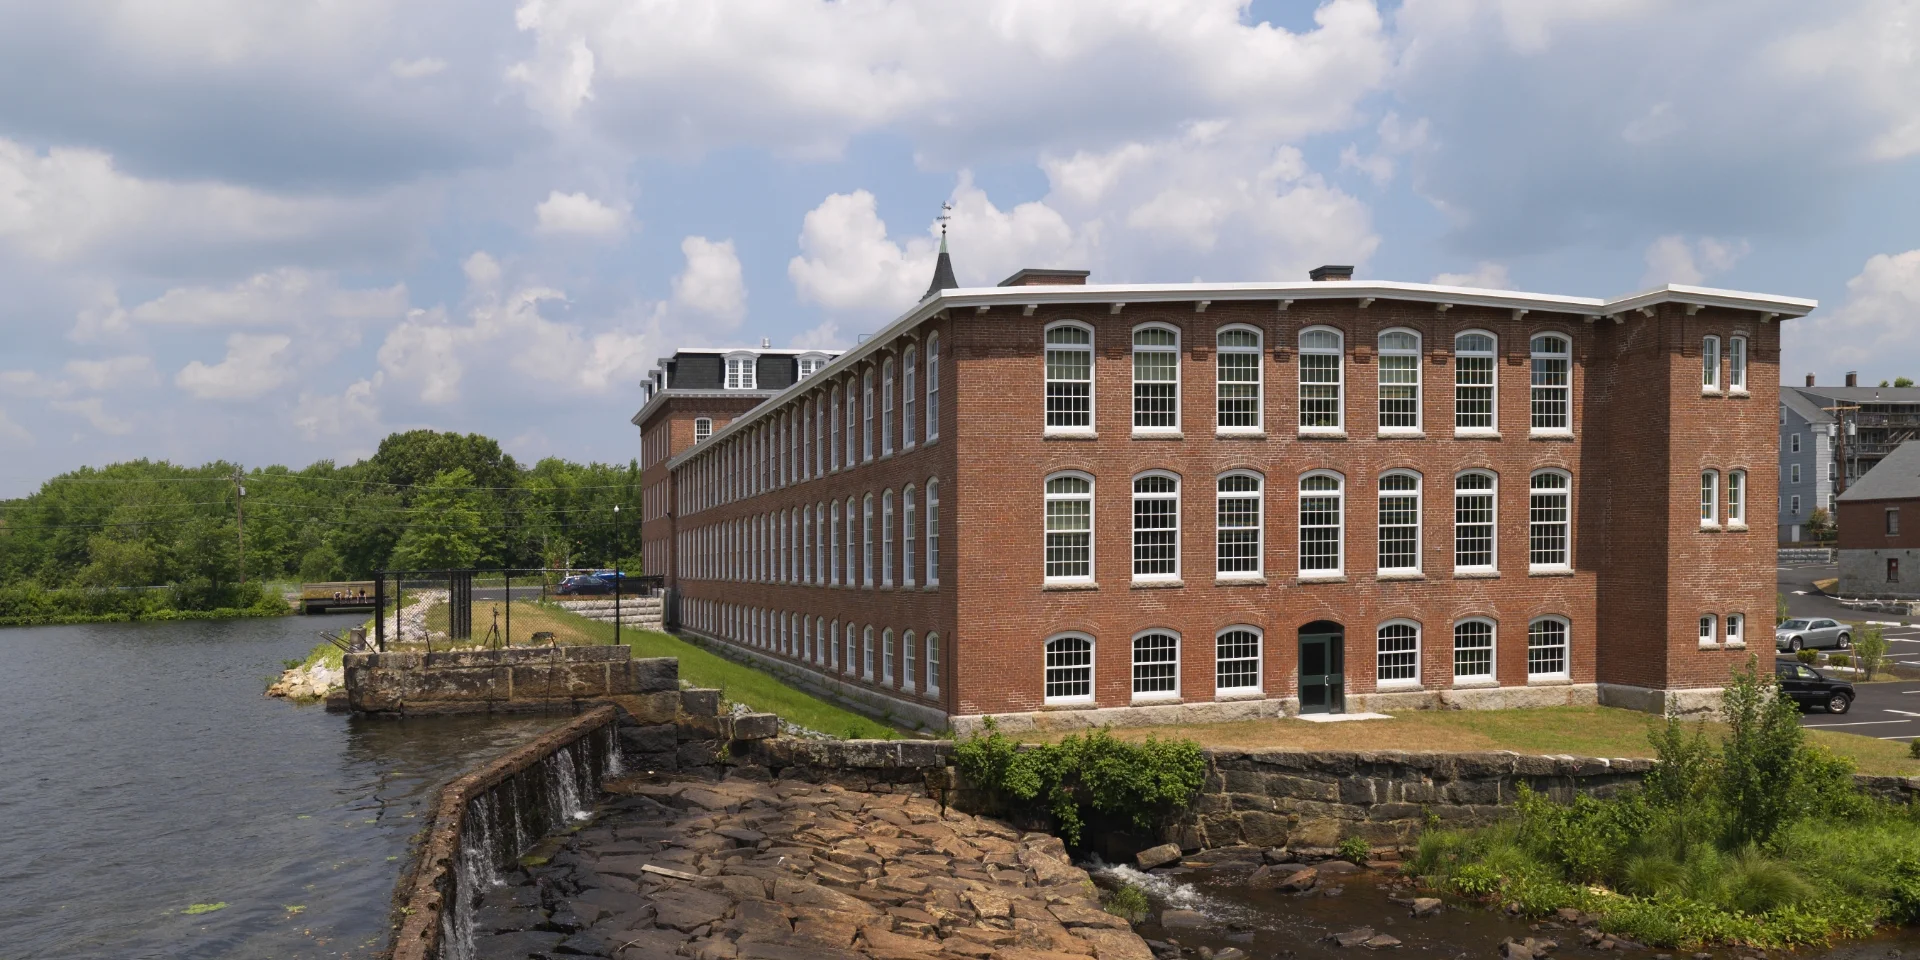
[(806, 545), (853, 649), (907, 661), (1710, 365), (1156, 527), (823, 574), (1237, 527), (1322, 517), (1156, 379), (908, 530), (820, 445), (886, 657), (1399, 381), (933, 663), (1547, 648), (823, 641), (933, 531), (933, 387), (853, 423), (1237, 380), (1473, 522), (1737, 499), (1552, 399), (1474, 384), (1400, 522), (1709, 630), (866, 541), (1321, 380), (853, 523), (806, 639), (1156, 666), (832, 638), (866, 425), (1236, 661), (1069, 531), (1399, 653), (866, 653), (1709, 498), (1069, 669), (702, 429), (1737, 365), (886, 407), (909, 395), (833, 445), (886, 538), (836, 577), (1473, 649), (1736, 627), (740, 373), (1069, 377), (1549, 526)]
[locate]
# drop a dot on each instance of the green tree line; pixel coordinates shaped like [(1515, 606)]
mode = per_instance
[(424, 500)]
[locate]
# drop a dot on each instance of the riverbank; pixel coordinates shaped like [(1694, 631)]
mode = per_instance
[(27, 605)]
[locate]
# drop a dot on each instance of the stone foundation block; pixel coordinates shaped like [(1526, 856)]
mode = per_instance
[(656, 675), (707, 727), (1264, 829), (700, 702), (655, 738), (756, 726), (660, 707)]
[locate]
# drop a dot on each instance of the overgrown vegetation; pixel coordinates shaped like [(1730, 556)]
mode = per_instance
[(1756, 839), (1128, 903), (1092, 773), (29, 604), (1869, 650)]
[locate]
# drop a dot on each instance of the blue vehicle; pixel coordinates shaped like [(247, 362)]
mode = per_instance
[(596, 583)]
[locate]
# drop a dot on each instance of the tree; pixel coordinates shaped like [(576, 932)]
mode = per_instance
[(445, 528), (1869, 649), (1903, 381), (1820, 524)]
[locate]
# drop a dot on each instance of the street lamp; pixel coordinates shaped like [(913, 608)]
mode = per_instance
[(616, 577)]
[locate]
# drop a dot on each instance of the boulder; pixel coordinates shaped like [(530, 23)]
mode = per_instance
[(1426, 906), (1158, 856), (1177, 919)]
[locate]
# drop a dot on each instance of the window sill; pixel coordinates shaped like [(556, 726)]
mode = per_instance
[(1738, 392), (1736, 644), (1705, 527), (1239, 581), (1560, 680), (1710, 391), (1550, 435), (1401, 435), (1475, 433), (1475, 683), (1737, 528), (1476, 574), (1068, 435), (1067, 587), (1323, 578), (1240, 433), (1156, 584), (1155, 701), (1323, 433), (1554, 570), (1158, 435), (1392, 575), (1067, 704), (1397, 686)]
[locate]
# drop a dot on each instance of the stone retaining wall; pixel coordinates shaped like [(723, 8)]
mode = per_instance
[(514, 678)]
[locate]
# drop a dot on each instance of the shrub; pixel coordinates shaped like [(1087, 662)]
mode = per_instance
[(1913, 749), (1838, 659), (1128, 903), (1139, 783), (1808, 657), (1355, 849), (1870, 649)]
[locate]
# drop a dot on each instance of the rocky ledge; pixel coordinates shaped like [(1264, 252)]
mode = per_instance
[(783, 870)]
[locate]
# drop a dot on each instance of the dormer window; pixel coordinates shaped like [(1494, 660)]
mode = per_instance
[(740, 372), (810, 365)]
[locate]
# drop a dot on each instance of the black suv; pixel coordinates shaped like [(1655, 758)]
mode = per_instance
[(1810, 688)]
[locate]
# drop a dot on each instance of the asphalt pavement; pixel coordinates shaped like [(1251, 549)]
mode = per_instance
[(1889, 711)]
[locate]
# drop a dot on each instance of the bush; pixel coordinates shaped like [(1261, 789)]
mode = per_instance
[(1137, 783), (1808, 657), (1128, 903), (1355, 849), (1913, 749), (1870, 649), (1838, 660)]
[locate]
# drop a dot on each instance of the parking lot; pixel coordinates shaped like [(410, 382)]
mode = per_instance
[(1888, 711)]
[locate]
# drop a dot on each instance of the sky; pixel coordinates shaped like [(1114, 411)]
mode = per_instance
[(276, 232)]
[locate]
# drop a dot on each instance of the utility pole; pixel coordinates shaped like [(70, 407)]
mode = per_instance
[(1840, 443), (240, 515)]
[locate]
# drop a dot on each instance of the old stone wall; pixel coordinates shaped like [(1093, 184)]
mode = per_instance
[(516, 678)]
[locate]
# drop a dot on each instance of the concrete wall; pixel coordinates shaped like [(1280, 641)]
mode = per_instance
[(517, 678), (1863, 573)]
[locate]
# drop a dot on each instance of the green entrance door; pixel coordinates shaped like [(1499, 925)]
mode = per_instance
[(1323, 687)]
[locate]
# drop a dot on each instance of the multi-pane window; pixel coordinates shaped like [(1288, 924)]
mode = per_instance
[(1736, 630), (740, 375), (1320, 522), (1473, 382), (820, 567), (805, 542), (810, 366), (1156, 666), (1736, 498), (866, 541), (866, 653), (853, 522), (1710, 363), (907, 533), (1737, 365), (1237, 383), (837, 577), (1069, 377), (1547, 647), (1156, 379), (1236, 661), (909, 398), (933, 532), (1548, 520), (1552, 397), (933, 663), (886, 538), (1399, 653), (834, 443), (853, 426), (1237, 531), (886, 407), (886, 656), (1399, 381), (1320, 379), (907, 657), (1156, 527), (1399, 522), (933, 388), (702, 429), (1473, 650), (1473, 519), (1069, 676), (1709, 498), (1069, 533), (1709, 632), (866, 407)]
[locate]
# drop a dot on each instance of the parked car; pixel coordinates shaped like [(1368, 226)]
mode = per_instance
[(1795, 635), (584, 584), (1811, 688)]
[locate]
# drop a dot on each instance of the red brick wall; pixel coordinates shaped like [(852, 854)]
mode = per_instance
[(1863, 525)]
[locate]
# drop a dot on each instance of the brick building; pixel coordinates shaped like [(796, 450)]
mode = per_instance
[(1063, 503), (1879, 554)]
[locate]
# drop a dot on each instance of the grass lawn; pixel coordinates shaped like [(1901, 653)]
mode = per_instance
[(1584, 731)]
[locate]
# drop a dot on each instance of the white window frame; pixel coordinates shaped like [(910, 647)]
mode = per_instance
[(853, 532), (1492, 495), (1737, 365), (1221, 385), (932, 539), (1049, 498), (1047, 669), (909, 514), (1709, 630), (1380, 373), (807, 364), (1794, 508), (866, 416), (1220, 530), (1736, 500), (833, 579), (1493, 652), (866, 653), (702, 429), (866, 541), (886, 657), (853, 423), (1048, 348), (1710, 364), (740, 371), (886, 407), (1155, 348), (1259, 661), (1381, 681), (909, 396), (1793, 443), (1134, 678), (1339, 384), (820, 445), (886, 538), (1134, 517), (907, 661), (1534, 489), (933, 387), (1339, 495), (1559, 395), (1709, 499), (1793, 473), (1491, 357), (1380, 521), (933, 663), (822, 572), (1736, 627), (1565, 648)]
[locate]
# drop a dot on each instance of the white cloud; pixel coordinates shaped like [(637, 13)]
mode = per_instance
[(352, 413), (30, 383), (1486, 274), (712, 282), (823, 336), (415, 69), (580, 215), (1671, 259), (93, 410), (12, 434), (1865, 54), (1377, 167), (112, 373), (254, 365), (1872, 327), (285, 297)]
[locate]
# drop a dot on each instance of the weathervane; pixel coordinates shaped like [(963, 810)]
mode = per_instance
[(946, 214)]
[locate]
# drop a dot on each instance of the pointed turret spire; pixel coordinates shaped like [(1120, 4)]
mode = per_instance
[(942, 267)]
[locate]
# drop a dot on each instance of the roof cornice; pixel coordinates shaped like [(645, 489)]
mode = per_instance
[(669, 393)]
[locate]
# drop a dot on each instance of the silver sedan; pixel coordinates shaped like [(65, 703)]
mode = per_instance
[(1794, 635)]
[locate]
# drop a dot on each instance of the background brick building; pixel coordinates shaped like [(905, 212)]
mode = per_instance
[(1066, 503)]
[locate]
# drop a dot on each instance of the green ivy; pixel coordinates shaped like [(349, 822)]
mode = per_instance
[(1141, 782)]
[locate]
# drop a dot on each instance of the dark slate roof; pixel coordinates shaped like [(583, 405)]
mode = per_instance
[(1895, 478), (1861, 394), (1797, 400), (942, 273)]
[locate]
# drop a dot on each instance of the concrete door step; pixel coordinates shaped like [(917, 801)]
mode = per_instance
[(1339, 717)]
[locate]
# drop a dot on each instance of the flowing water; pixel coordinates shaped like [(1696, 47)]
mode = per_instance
[(142, 772)]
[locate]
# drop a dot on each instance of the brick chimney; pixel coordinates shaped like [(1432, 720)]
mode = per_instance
[(1809, 379), (1037, 277), (1853, 378), (1330, 272)]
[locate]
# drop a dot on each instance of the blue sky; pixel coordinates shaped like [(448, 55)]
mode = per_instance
[(276, 232)]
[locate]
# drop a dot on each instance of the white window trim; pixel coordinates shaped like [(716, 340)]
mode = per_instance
[(1419, 384), (1494, 356), (1567, 391), (1419, 643), (887, 386), (1566, 491), (886, 537), (1093, 542), (702, 429), (1735, 508), (1092, 380), (886, 657), (1492, 677), (1793, 443), (909, 515), (866, 541), (1738, 345), (932, 398), (1419, 517), (1710, 499), (1093, 664), (752, 379), (1259, 570), (1133, 377), (1258, 350), (1710, 376), (909, 397), (1566, 650), (1735, 629), (866, 416), (1179, 654), (1339, 570), (931, 663), (908, 662), (1709, 630), (930, 536), (1259, 662), (1454, 527), (1339, 428), (866, 653), (1133, 497)]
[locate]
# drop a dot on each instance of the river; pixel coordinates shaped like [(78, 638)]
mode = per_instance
[(142, 772)]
